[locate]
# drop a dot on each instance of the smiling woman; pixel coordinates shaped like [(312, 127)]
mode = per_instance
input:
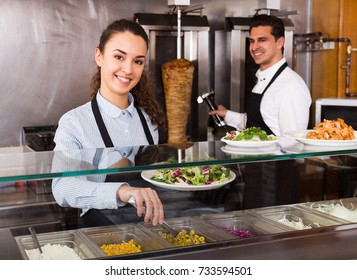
[(123, 113), (121, 68)]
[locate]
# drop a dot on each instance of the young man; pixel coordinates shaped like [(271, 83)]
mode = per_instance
[(280, 101)]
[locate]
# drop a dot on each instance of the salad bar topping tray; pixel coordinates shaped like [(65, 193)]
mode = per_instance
[(294, 218), (242, 224), (191, 232), (56, 245), (122, 239), (345, 209)]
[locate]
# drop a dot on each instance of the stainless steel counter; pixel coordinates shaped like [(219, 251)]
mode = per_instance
[(332, 243), (8, 247), (333, 238), (337, 242), (20, 206)]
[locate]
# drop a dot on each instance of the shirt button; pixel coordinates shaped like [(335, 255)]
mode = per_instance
[(124, 154), (123, 113)]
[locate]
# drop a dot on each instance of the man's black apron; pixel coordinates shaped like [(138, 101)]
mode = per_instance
[(253, 101), (267, 183), (95, 217)]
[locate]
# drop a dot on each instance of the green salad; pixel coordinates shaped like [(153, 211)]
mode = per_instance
[(249, 134), (199, 175)]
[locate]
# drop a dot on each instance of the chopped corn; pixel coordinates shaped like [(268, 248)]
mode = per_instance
[(121, 249)]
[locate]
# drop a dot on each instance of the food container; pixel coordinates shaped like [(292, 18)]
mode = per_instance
[(344, 210), (242, 225), (71, 238), (201, 228), (294, 218), (118, 234)]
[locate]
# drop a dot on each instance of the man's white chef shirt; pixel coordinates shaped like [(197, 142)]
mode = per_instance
[(285, 105)]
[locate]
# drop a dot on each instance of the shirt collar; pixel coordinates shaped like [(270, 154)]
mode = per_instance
[(267, 74), (112, 110)]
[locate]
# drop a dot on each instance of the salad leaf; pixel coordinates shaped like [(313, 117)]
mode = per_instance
[(249, 134), (199, 175)]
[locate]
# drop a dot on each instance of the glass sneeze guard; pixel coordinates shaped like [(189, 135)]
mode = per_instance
[(50, 164)]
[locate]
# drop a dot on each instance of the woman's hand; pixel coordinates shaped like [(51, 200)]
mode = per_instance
[(144, 197)]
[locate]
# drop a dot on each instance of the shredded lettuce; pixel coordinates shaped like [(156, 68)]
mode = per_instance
[(199, 175), (249, 134)]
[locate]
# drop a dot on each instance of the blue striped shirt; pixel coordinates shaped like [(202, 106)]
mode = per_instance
[(78, 129)]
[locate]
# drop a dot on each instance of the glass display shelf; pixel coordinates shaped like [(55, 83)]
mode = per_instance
[(31, 165)]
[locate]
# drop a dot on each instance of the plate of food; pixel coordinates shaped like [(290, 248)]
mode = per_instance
[(198, 178), (249, 151), (327, 133), (299, 148), (252, 137)]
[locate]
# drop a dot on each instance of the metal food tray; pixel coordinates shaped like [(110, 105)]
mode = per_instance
[(69, 238), (319, 206), (122, 233), (242, 221), (292, 213), (211, 233)]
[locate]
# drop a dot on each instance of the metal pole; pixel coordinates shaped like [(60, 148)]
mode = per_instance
[(178, 32)]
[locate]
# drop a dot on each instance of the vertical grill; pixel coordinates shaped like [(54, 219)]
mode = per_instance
[(162, 32)]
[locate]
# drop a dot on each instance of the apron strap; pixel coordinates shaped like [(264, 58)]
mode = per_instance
[(281, 69), (253, 101), (100, 123), (103, 130), (145, 126)]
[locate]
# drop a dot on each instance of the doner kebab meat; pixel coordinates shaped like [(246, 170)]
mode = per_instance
[(177, 77)]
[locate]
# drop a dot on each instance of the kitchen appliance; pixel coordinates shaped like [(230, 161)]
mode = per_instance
[(344, 173), (194, 34), (39, 138), (234, 67), (333, 108)]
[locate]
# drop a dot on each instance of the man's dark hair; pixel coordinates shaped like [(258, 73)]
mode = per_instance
[(277, 24)]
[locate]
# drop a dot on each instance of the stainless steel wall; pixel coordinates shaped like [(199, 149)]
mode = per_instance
[(47, 51)]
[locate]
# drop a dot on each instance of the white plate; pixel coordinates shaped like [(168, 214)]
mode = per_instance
[(147, 174), (249, 151), (301, 137), (249, 144), (299, 148)]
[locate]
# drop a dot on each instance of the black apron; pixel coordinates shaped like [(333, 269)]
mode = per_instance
[(268, 183), (253, 101), (96, 217)]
